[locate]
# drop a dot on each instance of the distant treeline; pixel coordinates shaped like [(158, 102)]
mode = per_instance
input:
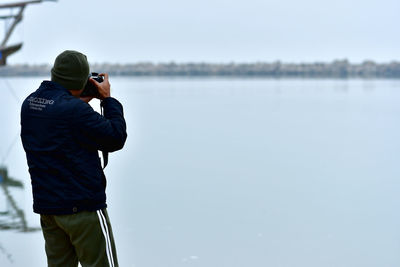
[(335, 69)]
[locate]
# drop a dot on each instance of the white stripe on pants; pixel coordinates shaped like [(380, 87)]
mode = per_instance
[(104, 229)]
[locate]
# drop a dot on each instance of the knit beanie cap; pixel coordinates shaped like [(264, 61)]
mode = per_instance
[(71, 70)]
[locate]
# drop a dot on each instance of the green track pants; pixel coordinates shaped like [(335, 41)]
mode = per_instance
[(84, 237)]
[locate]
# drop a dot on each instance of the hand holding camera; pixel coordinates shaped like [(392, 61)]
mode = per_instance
[(97, 86)]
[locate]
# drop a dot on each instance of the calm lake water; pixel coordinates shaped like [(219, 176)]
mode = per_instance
[(238, 173)]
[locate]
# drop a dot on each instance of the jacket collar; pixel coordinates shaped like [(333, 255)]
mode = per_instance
[(50, 85)]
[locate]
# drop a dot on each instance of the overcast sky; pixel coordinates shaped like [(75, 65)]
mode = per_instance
[(210, 30)]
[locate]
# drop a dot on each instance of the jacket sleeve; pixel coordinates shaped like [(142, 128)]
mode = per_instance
[(94, 131)]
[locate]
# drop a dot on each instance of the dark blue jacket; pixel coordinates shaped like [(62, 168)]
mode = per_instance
[(61, 136)]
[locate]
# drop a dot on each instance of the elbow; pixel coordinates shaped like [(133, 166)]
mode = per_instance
[(117, 142)]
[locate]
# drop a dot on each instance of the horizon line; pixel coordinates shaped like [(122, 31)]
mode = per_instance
[(343, 60)]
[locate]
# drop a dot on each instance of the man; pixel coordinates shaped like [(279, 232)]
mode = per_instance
[(61, 135)]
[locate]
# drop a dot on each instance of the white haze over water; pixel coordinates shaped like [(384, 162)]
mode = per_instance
[(241, 172)]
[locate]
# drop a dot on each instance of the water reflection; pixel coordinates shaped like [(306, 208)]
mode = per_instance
[(13, 218)]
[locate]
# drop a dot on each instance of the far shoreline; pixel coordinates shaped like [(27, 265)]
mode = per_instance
[(338, 69)]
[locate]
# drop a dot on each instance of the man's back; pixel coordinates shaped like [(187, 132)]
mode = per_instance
[(61, 135)]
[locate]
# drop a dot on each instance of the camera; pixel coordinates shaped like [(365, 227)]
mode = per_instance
[(90, 88)]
